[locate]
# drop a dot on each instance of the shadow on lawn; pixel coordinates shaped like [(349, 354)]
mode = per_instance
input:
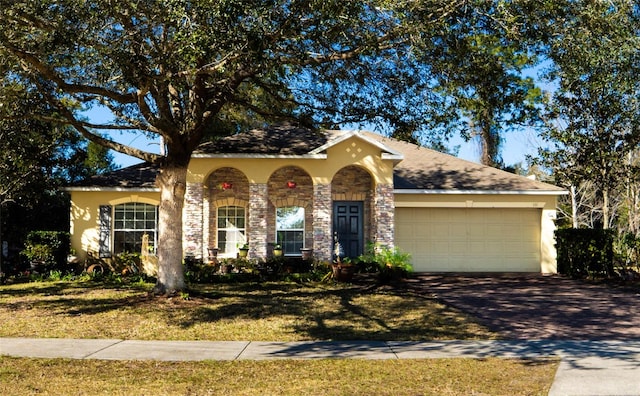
[(312, 312), (70, 298), (356, 312)]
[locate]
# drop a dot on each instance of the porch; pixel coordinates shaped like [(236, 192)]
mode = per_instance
[(291, 207)]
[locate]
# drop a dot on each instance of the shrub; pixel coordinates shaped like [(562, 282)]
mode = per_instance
[(585, 252), (627, 249), (391, 262), (47, 248)]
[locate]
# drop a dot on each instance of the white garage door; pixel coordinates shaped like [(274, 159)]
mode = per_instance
[(470, 240)]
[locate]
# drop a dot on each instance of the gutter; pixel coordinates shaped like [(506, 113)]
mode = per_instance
[(480, 192), (111, 189)]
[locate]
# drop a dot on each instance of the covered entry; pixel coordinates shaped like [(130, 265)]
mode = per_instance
[(348, 226), (470, 239)]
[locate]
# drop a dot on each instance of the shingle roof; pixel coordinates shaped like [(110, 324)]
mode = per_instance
[(421, 168), (427, 169), (141, 175), (281, 139)]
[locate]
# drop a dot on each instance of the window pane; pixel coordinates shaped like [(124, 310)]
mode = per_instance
[(132, 221), (290, 229), (290, 218), (291, 241), (231, 229)]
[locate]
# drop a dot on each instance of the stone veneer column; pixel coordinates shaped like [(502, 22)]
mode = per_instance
[(192, 222), (258, 207), (322, 209), (384, 215)]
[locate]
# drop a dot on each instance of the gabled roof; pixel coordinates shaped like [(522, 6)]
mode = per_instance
[(276, 140), (428, 170), (283, 140), (417, 169)]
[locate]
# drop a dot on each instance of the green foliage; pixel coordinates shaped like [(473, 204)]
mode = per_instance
[(480, 68), (627, 248), (127, 263), (38, 156), (594, 117), (232, 270), (391, 263), (48, 248), (585, 252)]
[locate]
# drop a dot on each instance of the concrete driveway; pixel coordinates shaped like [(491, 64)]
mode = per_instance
[(536, 307)]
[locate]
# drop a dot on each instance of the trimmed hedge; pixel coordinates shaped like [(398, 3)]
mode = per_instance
[(585, 252)]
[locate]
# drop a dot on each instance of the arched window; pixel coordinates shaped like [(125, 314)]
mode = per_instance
[(290, 229), (232, 229), (131, 221)]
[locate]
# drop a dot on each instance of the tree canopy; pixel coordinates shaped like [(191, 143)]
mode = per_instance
[(595, 113), (183, 70)]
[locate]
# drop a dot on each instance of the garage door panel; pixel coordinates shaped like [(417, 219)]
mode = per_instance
[(478, 240)]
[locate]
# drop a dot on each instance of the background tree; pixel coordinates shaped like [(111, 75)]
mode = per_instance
[(481, 66), (37, 158), (596, 109)]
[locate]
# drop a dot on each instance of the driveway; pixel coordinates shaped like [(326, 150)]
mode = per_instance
[(538, 307)]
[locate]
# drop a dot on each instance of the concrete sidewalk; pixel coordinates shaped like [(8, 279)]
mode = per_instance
[(586, 368)]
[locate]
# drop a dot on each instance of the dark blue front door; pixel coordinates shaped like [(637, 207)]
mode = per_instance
[(348, 227)]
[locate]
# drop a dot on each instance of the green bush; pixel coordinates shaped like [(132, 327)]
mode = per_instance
[(627, 250), (585, 252), (392, 263), (48, 249)]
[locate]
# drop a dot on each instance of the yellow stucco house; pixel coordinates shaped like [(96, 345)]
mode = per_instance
[(306, 189)]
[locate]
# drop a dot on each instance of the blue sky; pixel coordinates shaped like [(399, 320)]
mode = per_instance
[(517, 144)]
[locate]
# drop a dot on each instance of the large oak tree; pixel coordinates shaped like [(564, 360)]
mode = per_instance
[(177, 69)]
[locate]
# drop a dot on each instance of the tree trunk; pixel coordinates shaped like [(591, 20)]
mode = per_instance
[(172, 183), (574, 207), (605, 209)]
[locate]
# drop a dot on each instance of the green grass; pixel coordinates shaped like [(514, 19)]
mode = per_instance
[(282, 377), (276, 311)]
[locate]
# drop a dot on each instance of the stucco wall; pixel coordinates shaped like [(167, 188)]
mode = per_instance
[(84, 225)]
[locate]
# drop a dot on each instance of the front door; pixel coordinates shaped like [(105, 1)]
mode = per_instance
[(348, 227)]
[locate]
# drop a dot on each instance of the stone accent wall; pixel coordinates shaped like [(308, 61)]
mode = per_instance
[(192, 221), (355, 184), (258, 210), (322, 219), (237, 195), (384, 210), (261, 200)]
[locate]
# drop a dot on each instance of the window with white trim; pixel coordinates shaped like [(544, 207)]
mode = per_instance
[(131, 221), (231, 229), (290, 229)]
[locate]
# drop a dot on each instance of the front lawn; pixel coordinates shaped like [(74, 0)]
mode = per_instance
[(276, 311), (278, 377)]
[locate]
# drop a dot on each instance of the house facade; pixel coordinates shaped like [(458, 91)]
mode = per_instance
[(305, 189)]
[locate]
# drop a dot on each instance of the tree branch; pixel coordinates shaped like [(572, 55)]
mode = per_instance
[(29, 61), (110, 144)]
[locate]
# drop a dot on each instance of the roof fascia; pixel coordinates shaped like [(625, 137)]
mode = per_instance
[(111, 189), (480, 192), (260, 156)]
